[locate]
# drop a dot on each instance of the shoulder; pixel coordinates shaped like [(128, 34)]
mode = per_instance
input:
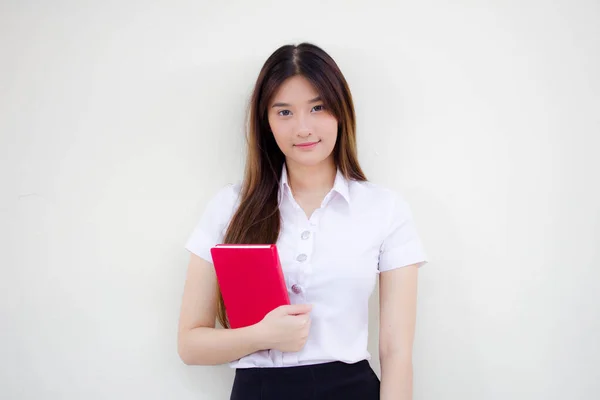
[(226, 196), (222, 204), (376, 196), (215, 218)]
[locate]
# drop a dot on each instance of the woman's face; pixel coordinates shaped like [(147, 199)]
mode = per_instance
[(304, 130)]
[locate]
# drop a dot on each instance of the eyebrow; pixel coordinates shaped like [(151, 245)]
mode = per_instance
[(318, 98)]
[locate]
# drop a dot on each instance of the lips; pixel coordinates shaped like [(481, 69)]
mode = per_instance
[(307, 144)]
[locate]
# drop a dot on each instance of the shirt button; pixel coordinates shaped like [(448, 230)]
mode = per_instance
[(296, 289), (305, 235), (301, 257)]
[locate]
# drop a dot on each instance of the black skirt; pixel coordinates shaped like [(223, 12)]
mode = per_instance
[(329, 381)]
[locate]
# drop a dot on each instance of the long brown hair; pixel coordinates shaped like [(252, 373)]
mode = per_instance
[(257, 218)]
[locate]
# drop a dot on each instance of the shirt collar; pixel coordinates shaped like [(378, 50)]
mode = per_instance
[(340, 184)]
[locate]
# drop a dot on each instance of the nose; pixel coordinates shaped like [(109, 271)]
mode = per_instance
[(303, 128), (304, 133)]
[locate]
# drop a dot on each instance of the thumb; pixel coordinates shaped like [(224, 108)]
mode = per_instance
[(295, 309)]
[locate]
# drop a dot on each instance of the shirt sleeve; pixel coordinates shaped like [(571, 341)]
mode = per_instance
[(401, 245), (213, 223)]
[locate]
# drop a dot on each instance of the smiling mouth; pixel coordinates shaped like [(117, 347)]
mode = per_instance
[(306, 144)]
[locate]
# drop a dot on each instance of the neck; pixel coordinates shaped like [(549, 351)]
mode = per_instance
[(311, 179)]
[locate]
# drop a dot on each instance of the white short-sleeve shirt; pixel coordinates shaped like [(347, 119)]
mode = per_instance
[(330, 260)]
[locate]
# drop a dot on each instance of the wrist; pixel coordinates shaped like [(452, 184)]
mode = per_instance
[(257, 337)]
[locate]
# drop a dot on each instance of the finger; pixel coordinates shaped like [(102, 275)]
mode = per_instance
[(300, 321), (297, 309)]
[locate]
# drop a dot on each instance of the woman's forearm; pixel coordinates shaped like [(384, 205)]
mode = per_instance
[(396, 378), (211, 346)]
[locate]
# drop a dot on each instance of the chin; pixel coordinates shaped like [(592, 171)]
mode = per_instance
[(310, 161)]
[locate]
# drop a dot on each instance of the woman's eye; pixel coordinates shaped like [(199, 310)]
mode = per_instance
[(319, 108), (284, 113)]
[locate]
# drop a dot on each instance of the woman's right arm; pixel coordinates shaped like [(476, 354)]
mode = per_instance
[(198, 341), (285, 328)]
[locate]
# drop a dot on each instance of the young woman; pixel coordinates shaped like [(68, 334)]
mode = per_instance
[(336, 233)]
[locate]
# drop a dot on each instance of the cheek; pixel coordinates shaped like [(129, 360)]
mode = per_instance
[(328, 128), (279, 131)]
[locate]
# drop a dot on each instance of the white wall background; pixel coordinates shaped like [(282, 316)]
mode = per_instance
[(120, 119)]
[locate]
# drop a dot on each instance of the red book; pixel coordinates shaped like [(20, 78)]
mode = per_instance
[(251, 281)]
